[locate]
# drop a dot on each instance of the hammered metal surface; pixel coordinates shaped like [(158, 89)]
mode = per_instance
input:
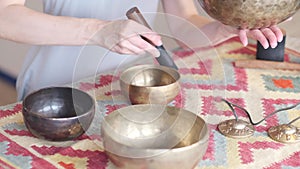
[(236, 128), (250, 14), (284, 133), (150, 84)]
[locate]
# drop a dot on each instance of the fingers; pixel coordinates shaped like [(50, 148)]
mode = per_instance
[(288, 19), (119, 49), (128, 46), (271, 35), (133, 41), (135, 45), (148, 35), (143, 45), (266, 36), (277, 32), (243, 37), (124, 37), (259, 36), (154, 38)]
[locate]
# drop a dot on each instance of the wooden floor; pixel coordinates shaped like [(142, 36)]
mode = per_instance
[(8, 93)]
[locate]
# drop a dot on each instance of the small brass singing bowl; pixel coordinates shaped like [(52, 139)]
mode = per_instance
[(250, 14), (58, 113), (155, 84), (154, 136)]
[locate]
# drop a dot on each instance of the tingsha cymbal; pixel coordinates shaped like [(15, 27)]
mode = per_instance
[(236, 129), (285, 133)]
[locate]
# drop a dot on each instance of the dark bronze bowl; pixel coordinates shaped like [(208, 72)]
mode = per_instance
[(58, 113), (250, 14)]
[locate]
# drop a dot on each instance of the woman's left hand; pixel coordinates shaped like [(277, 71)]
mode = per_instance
[(266, 36)]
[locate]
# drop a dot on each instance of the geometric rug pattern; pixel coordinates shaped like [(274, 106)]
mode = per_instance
[(206, 75)]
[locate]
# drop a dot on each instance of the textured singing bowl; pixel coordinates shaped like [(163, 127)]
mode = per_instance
[(154, 136), (250, 14), (58, 113), (155, 84)]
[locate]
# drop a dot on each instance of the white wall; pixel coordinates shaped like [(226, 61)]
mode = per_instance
[(12, 54)]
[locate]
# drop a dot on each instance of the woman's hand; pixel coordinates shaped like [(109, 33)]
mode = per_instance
[(266, 36), (124, 37)]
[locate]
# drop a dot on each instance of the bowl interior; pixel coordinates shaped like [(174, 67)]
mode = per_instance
[(152, 77), (58, 102), (149, 76), (154, 127)]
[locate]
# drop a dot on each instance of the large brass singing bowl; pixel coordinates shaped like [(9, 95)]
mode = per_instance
[(154, 136), (250, 14), (153, 84)]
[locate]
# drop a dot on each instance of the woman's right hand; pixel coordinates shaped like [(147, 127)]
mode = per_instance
[(124, 37)]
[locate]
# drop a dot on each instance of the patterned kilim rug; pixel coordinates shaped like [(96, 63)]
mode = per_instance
[(207, 74)]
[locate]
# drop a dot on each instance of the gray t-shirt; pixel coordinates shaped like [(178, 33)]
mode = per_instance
[(46, 66)]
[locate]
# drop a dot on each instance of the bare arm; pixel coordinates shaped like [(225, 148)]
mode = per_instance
[(185, 9), (189, 27), (21, 24)]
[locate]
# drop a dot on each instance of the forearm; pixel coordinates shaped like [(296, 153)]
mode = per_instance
[(183, 9), (21, 24), (192, 29), (205, 31), (32, 27)]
